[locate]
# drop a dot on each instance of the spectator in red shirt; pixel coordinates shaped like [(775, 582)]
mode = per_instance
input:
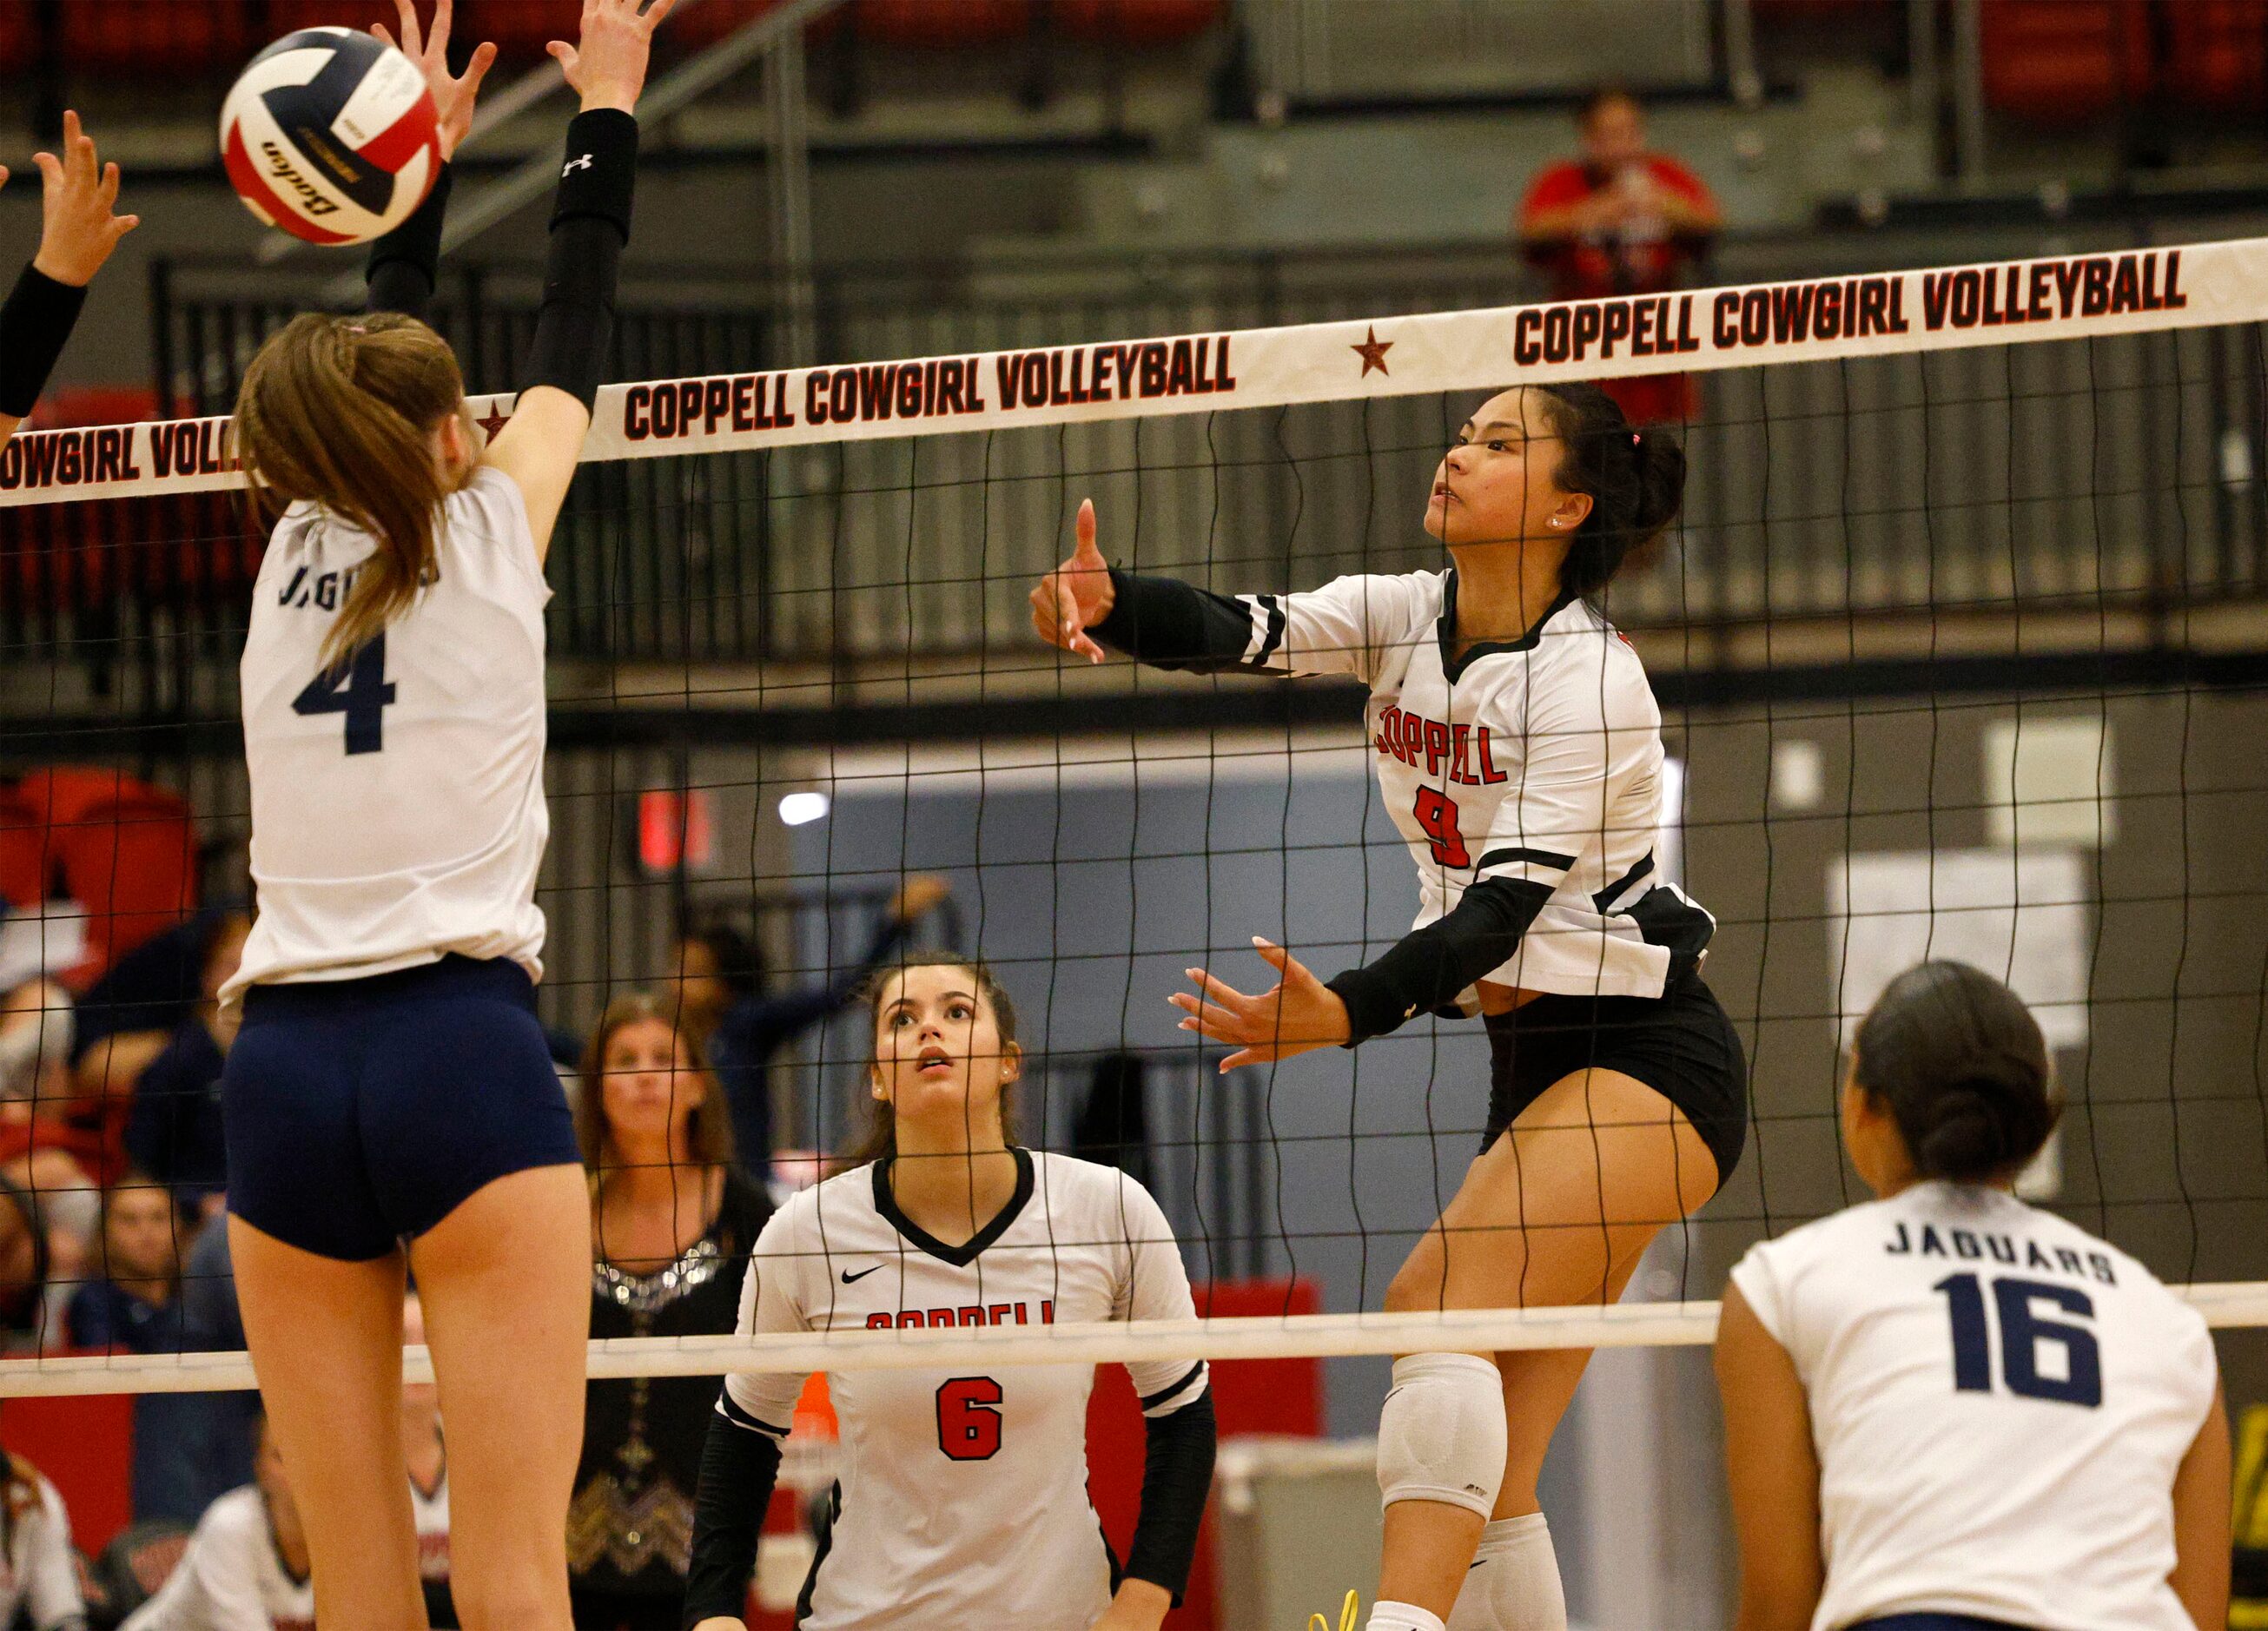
[(1619, 220)]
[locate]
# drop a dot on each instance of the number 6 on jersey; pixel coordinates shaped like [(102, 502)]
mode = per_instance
[(968, 1418)]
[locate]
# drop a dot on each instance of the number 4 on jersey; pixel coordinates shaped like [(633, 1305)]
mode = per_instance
[(360, 690)]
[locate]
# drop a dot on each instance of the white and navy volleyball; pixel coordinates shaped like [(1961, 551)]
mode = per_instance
[(331, 135)]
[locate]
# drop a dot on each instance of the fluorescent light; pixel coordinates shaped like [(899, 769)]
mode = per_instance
[(796, 809)]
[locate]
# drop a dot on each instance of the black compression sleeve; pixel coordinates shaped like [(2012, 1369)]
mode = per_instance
[(1176, 1476), (739, 1466), (1166, 623), (1430, 965), (33, 325), (405, 265), (590, 226)]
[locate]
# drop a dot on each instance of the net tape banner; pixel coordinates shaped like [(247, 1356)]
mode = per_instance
[(1632, 1324), (1809, 319)]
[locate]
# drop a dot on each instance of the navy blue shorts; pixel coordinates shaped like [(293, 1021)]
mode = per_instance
[(360, 1112), (1681, 1043), (1935, 1622)]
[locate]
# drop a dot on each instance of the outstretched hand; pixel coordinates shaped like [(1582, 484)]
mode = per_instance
[(1076, 595), (608, 62), (1299, 1015), (453, 94), (78, 193)]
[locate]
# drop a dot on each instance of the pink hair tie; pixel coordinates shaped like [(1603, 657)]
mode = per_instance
[(1634, 439)]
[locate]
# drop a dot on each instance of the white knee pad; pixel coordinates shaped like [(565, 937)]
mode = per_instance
[(1514, 1584), (1441, 1435)]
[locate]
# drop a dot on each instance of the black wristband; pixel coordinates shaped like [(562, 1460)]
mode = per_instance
[(34, 323), (601, 175), (405, 265)]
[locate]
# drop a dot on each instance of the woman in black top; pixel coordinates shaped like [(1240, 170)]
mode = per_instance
[(673, 1221)]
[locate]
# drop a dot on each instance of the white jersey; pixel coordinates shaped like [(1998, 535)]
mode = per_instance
[(397, 811), (2000, 1403), (962, 1504), (232, 1578), (1537, 759), (39, 1576)]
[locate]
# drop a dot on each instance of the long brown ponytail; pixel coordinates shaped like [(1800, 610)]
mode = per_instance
[(341, 411)]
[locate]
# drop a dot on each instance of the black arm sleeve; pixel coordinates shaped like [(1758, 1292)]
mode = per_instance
[(1429, 966), (739, 1464), (34, 323), (1166, 623), (1177, 1477), (405, 265), (590, 227)]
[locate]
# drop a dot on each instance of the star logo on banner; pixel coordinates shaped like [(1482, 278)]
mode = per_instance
[(1373, 351), (495, 420)]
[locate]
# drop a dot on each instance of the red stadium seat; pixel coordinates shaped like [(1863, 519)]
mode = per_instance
[(286, 17), (2064, 62), (521, 28), (941, 22), (162, 39), (17, 39), (127, 852), (2216, 55), (24, 872), (85, 1446), (1135, 22)]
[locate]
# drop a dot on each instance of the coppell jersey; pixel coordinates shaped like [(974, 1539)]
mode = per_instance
[(2000, 1403), (397, 804), (1537, 759), (962, 1500)]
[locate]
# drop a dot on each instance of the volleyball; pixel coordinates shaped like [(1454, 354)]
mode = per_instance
[(331, 135)]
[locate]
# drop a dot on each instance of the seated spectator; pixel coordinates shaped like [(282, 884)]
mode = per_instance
[(128, 1016), (41, 1173), (36, 1027), (674, 1220), (739, 1027), (215, 1437), (136, 1304), (247, 1567), (173, 1131), (38, 1586), (1620, 220)]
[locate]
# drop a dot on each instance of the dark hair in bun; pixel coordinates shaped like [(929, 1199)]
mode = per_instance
[(1635, 475), (1960, 1062)]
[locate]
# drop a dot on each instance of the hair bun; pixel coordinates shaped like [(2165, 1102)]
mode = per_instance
[(1966, 1138)]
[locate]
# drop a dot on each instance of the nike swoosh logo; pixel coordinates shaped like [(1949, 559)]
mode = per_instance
[(848, 1276)]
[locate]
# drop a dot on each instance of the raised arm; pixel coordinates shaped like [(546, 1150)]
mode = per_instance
[(590, 228), (78, 230), (405, 264)]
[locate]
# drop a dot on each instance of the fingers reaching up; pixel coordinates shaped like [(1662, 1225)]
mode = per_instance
[(453, 94), (1076, 595), (606, 66), (79, 195)]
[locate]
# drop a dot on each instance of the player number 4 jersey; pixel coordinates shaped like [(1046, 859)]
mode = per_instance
[(963, 1501), (1537, 759), (2000, 1403), (397, 804)]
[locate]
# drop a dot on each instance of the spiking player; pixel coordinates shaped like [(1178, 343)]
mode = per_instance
[(1947, 1410), (1519, 751), (390, 1099), (77, 192), (963, 1505)]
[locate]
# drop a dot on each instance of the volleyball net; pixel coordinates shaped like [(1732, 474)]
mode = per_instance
[(1961, 644)]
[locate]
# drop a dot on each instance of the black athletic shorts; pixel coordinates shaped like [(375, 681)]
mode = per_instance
[(1681, 1043), (359, 1112), (1933, 1622)]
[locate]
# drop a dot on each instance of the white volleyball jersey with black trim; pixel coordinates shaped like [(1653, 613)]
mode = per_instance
[(397, 808), (962, 1502), (1537, 759), (2000, 1403)]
